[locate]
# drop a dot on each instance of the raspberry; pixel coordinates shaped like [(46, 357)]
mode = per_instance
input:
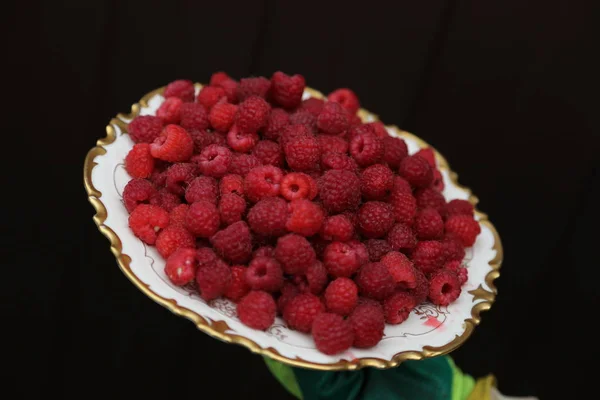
[(377, 248), (179, 177), (316, 277), (238, 287), (368, 324), (398, 306), (171, 238), (268, 153), (257, 310), (264, 273), (395, 150), (306, 217), (139, 162), (427, 154), (401, 269), (361, 251), (255, 86), (334, 160), (214, 160), (332, 143), (378, 129), (231, 184), (444, 287), (297, 185), (170, 110), (202, 188), (293, 132), (145, 128), (264, 251), (230, 88), (294, 253), (218, 77), (165, 200), (375, 219), (241, 164), (206, 257), (253, 114), (428, 224), (182, 88), (288, 292), (262, 182), (201, 139), (213, 280), (222, 116), (464, 227), (428, 256), (460, 271), (421, 290), (332, 119), (453, 248), (241, 142), (438, 180), (234, 243), (340, 259), (346, 98), (173, 145), (339, 190), (332, 333), (312, 105), (459, 207), (366, 149), (177, 215), (401, 237), (338, 228), (146, 221), (231, 208), (375, 281), (341, 296), (287, 90), (193, 116), (417, 171), (431, 198), (300, 312), (210, 95), (269, 216), (401, 185), (404, 207), (302, 153), (181, 266), (202, 219), (136, 192), (277, 122), (376, 182)]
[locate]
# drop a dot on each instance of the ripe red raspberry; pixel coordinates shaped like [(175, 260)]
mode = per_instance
[(278, 120), (262, 182), (264, 251), (377, 248), (222, 116), (177, 215), (376, 182), (401, 185), (375, 281), (241, 164), (231, 208), (233, 243), (213, 280), (417, 171), (174, 144), (257, 310), (230, 88), (202, 219), (214, 161), (431, 198), (300, 312), (146, 221), (395, 150), (421, 290), (444, 287), (340, 259), (218, 77), (139, 163), (401, 237), (193, 116), (332, 143), (341, 296), (242, 142), (253, 114), (182, 88), (268, 153), (264, 273), (428, 256), (302, 153), (339, 190), (297, 185), (464, 227), (202, 188), (288, 292), (361, 251), (171, 238), (312, 105), (165, 200), (206, 257), (306, 118), (269, 216), (428, 154), (181, 266), (346, 98), (404, 207), (293, 132), (201, 139), (401, 269), (287, 90), (453, 248), (375, 219), (366, 148), (334, 160), (179, 177), (459, 207), (438, 180), (378, 129), (428, 224), (231, 183), (332, 333), (398, 306), (338, 228), (368, 324), (210, 95), (316, 277), (352, 217), (136, 192), (333, 118), (460, 271), (238, 287), (170, 110), (306, 217), (294, 253), (254, 86), (145, 128)]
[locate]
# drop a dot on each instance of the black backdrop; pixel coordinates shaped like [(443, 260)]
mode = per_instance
[(507, 91)]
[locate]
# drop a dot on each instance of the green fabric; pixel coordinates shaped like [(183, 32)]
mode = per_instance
[(462, 384), (285, 375)]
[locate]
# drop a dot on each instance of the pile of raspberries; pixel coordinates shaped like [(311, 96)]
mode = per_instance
[(295, 208)]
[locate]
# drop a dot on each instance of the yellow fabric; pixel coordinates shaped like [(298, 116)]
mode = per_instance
[(483, 388)]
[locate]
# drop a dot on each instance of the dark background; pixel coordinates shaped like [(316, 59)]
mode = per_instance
[(506, 90)]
